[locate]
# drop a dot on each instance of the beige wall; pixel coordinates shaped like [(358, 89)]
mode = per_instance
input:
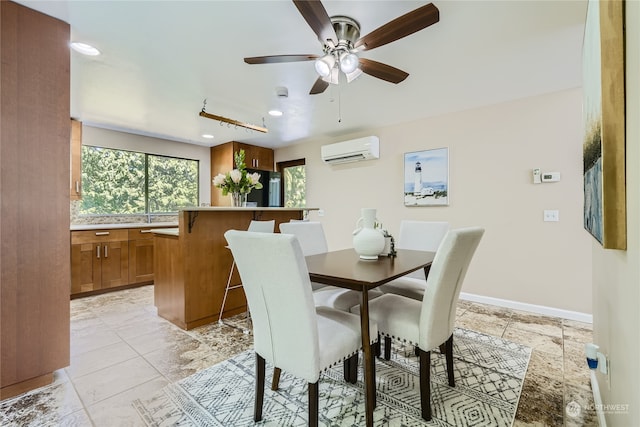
[(492, 152), (616, 274), (127, 141)]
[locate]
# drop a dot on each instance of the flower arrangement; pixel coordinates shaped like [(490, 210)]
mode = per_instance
[(237, 180)]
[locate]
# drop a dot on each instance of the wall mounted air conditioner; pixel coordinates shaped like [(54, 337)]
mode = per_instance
[(366, 148)]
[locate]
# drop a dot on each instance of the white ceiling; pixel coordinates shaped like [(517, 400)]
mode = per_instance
[(161, 59)]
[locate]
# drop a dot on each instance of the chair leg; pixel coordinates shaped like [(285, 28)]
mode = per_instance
[(275, 380), (387, 348), (257, 410), (449, 357), (351, 369), (425, 384), (373, 371), (313, 404)]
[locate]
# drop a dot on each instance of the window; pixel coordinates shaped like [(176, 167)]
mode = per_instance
[(294, 183), (128, 182)]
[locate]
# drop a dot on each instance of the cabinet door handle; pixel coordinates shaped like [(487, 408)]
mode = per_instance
[(77, 186), (106, 252), (145, 231), (257, 163), (102, 233), (98, 251)]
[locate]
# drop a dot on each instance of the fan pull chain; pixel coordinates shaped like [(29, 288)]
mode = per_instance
[(339, 105)]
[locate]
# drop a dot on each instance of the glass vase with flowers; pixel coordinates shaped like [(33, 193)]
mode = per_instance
[(237, 182)]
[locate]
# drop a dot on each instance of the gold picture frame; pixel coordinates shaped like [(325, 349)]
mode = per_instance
[(604, 121)]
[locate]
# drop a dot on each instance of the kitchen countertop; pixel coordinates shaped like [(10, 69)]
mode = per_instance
[(253, 208), (81, 227), (166, 231)]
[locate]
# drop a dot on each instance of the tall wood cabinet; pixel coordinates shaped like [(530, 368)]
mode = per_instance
[(222, 161), (75, 181), (34, 202)]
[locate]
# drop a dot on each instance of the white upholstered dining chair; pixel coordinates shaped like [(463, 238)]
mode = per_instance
[(290, 332), (429, 323), (310, 235), (418, 236), (258, 227), (312, 239)]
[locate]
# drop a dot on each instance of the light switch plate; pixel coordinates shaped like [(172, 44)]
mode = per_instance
[(551, 215)]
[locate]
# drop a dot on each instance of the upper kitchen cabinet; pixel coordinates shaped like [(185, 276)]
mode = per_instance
[(75, 181), (222, 161), (255, 157)]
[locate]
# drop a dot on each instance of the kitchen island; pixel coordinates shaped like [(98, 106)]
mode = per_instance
[(192, 262)]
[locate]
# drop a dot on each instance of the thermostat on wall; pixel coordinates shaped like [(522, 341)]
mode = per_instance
[(550, 176)]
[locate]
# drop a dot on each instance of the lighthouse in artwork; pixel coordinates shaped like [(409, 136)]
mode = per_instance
[(417, 183)]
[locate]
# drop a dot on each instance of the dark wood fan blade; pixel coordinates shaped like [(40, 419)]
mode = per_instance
[(275, 59), (316, 16), (319, 86), (403, 26), (382, 71)]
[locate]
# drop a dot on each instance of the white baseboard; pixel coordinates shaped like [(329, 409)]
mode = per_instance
[(539, 309)]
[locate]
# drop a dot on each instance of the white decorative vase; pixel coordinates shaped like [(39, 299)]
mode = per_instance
[(368, 242)]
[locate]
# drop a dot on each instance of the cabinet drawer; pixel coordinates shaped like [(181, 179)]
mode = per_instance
[(141, 233), (99, 236)]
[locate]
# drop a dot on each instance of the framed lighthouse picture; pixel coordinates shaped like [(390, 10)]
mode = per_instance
[(426, 178)]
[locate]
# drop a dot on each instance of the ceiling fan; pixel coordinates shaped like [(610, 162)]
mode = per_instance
[(341, 42)]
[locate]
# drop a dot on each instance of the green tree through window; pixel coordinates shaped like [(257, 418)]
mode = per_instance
[(295, 187), (127, 182)]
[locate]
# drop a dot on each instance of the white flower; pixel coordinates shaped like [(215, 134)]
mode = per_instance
[(236, 175), (218, 180), (254, 178)]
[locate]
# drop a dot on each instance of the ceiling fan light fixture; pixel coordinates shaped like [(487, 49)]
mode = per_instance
[(334, 77), (325, 64), (353, 75), (348, 62)]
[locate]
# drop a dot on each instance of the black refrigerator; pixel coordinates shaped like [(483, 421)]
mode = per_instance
[(269, 194)]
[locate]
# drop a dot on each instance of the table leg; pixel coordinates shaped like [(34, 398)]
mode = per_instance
[(369, 380)]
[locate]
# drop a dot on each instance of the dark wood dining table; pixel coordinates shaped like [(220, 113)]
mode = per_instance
[(345, 269)]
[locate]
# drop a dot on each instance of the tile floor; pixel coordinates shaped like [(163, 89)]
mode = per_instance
[(121, 350)]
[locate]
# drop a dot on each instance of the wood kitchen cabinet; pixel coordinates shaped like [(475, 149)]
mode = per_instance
[(140, 255), (99, 259), (34, 213), (256, 157), (75, 181), (222, 161)]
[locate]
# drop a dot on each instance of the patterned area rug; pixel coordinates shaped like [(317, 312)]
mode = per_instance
[(489, 373)]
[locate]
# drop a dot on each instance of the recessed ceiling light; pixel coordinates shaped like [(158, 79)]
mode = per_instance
[(275, 113), (207, 135), (85, 49)]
